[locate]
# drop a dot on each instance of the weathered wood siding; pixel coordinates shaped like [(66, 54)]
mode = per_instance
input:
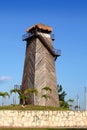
[(39, 71), (45, 75), (29, 67)]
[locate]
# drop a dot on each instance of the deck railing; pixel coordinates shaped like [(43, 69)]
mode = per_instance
[(53, 37), (26, 36), (57, 51)]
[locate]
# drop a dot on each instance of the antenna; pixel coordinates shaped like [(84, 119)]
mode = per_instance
[(85, 96)]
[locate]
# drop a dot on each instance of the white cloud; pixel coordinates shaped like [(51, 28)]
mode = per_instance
[(4, 78)]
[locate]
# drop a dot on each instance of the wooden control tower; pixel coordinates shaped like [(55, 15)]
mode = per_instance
[(39, 67)]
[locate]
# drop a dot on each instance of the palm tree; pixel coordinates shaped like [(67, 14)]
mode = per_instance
[(69, 102), (4, 94), (23, 97), (28, 92), (46, 96), (26, 96), (31, 91), (15, 90), (77, 107)]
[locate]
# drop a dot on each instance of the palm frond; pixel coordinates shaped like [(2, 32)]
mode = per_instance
[(47, 88), (45, 96)]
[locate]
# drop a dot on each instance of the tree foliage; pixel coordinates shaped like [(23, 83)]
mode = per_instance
[(15, 90), (3, 95), (47, 88), (46, 96), (64, 104), (31, 91), (26, 96), (61, 93)]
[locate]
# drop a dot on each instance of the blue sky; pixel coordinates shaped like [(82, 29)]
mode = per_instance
[(68, 19)]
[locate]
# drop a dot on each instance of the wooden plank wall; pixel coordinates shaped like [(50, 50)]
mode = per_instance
[(39, 71), (29, 67), (45, 75)]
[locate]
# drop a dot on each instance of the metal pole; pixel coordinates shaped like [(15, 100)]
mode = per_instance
[(78, 103), (85, 98)]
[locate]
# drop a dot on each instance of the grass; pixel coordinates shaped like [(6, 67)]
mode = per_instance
[(29, 107), (41, 128)]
